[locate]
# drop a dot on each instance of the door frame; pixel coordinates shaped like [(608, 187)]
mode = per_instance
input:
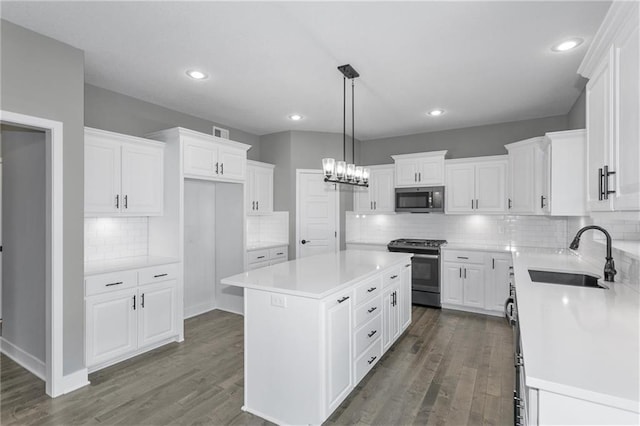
[(54, 375), (336, 195)]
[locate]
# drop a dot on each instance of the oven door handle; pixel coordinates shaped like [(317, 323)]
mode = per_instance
[(426, 256)]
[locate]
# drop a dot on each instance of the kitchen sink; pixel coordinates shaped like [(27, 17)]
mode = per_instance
[(566, 278)]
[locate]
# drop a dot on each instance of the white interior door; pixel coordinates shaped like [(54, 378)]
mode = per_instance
[(317, 212)]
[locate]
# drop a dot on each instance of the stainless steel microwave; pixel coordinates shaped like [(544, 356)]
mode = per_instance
[(425, 199)]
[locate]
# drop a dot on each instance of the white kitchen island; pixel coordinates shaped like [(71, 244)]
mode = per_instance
[(315, 326)]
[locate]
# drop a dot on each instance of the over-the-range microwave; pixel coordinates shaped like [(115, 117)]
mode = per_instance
[(424, 199)]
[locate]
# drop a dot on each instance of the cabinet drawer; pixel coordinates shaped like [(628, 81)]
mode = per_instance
[(391, 277), (368, 310), (368, 359), (368, 290), (158, 273), (257, 256), (463, 256), (278, 253), (369, 333), (113, 281)]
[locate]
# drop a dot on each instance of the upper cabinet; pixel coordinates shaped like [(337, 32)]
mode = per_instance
[(379, 196), (613, 111), (259, 189), (420, 169), (476, 185), (214, 158), (123, 175), (526, 173)]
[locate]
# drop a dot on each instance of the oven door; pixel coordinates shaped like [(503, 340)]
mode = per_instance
[(425, 273)]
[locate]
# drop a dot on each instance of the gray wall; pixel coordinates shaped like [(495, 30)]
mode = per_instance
[(577, 116), (107, 110), (24, 240), (461, 143), (45, 78)]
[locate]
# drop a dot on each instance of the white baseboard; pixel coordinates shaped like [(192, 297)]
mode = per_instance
[(75, 380), (233, 311), (200, 309), (474, 310), (24, 359)]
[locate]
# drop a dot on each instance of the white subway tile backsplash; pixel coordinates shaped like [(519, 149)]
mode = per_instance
[(113, 238), (268, 228)]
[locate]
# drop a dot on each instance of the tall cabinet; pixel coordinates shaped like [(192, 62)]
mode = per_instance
[(612, 66)]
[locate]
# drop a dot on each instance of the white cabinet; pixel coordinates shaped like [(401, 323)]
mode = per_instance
[(475, 281), (525, 176), (380, 195), (405, 296), (339, 348), (259, 258), (420, 169), (123, 175), (129, 312), (613, 111), (259, 189), (476, 185), (391, 316)]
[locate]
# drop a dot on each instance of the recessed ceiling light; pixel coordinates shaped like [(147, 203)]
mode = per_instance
[(436, 112), (567, 45), (295, 117), (196, 75)]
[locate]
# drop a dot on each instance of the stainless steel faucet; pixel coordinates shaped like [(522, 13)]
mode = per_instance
[(609, 266)]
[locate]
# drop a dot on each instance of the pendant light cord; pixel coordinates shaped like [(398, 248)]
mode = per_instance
[(353, 124), (344, 118)]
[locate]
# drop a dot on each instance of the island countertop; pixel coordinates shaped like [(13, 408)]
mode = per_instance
[(320, 275)]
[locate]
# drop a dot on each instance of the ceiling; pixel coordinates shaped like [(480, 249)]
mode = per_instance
[(483, 61)]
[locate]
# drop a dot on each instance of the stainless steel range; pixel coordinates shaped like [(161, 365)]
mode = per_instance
[(425, 268)]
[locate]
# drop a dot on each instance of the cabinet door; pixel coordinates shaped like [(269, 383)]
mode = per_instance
[(473, 286), (452, 283), (627, 138), (263, 190), (157, 317), (250, 190), (383, 190), (362, 200), (200, 158), (545, 201), (101, 176), (406, 173), (460, 191), (233, 163), (405, 297), (599, 128), (490, 189), (522, 160), (497, 285), (431, 171), (111, 327), (339, 349), (142, 180), (390, 317)]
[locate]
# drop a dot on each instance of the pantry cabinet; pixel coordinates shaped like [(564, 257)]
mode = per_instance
[(259, 188), (476, 186), (419, 169), (612, 66), (379, 197), (123, 175)]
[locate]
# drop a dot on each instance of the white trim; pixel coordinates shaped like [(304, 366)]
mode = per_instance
[(75, 381), (419, 155), (23, 358), (54, 354), (200, 309), (475, 160)]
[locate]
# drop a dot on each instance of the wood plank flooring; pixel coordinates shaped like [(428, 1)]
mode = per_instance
[(449, 368)]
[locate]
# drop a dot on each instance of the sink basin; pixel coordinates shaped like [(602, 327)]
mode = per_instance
[(565, 278)]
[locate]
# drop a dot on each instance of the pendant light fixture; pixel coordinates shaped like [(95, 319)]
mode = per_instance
[(341, 171)]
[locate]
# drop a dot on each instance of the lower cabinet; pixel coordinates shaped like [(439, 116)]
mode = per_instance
[(124, 323), (260, 258), (339, 315), (475, 281), (391, 314)]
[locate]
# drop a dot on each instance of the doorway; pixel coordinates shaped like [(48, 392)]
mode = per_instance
[(317, 214)]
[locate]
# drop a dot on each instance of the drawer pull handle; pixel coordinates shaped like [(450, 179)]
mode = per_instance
[(343, 299), (462, 257), (407, 265), (260, 257), (393, 277), (110, 284), (279, 254), (372, 309), (160, 275), (373, 358), (372, 333), (371, 289)]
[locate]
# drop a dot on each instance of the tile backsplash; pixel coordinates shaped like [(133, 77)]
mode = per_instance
[(268, 228), (108, 238), (535, 231)]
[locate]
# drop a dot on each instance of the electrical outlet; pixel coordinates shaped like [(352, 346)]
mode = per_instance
[(279, 300)]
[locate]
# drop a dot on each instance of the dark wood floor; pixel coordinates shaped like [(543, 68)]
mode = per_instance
[(448, 368)]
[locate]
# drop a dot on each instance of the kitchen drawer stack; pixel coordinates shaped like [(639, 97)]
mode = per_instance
[(129, 312), (266, 257), (367, 326)]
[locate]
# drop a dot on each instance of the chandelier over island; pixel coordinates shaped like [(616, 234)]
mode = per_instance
[(341, 171)]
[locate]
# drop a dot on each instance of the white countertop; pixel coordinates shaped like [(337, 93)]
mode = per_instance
[(265, 245), (579, 342), (318, 276), (124, 263)]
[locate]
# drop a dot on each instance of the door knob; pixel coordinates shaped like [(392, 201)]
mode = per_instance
[(305, 241)]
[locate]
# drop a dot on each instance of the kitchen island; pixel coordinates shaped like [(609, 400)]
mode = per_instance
[(314, 327)]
